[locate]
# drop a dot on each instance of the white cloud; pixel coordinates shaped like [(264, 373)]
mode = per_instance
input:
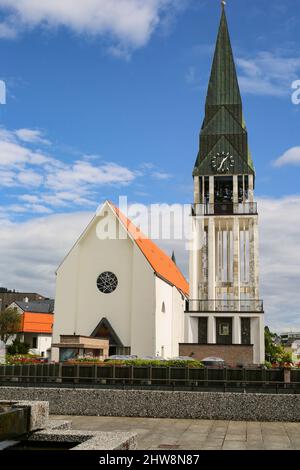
[(191, 77), (63, 199), (7, 178), (60, 184), (290, 157), (127, 22), (12, 154), (31, 136), (31, 251), (83, 173), (39, 209), (280, 260), (30, 178), (12, 208), (7, 31), (49, 183), (160, 175), (268, 73), (29, 198)]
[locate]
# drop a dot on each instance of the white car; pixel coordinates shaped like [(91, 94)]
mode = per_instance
[(121, 358), (182, 358)]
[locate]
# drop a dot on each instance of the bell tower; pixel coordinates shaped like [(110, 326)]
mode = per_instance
[(225, 307)]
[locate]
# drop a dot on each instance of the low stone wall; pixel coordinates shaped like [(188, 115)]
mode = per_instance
[(39, 410), (162, 404), (234, 355)]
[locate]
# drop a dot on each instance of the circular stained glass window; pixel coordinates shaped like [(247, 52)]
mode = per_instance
[(107, 282)]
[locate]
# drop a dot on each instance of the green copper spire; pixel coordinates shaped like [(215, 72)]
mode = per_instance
[(223, 129), (223, 86)]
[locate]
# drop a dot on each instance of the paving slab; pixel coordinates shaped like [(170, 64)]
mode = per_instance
[(197, 434), (234, 445), (235, 437), (255, 446)]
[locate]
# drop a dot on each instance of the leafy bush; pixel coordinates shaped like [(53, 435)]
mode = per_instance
[(136, 362), (268, 365), (18, 348), (85, 360), (10, 322), (154, 363), (275, 352)]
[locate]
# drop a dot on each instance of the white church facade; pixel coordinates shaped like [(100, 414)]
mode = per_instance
[(125, 289)]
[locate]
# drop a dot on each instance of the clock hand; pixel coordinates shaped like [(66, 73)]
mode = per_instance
[(222, 163)]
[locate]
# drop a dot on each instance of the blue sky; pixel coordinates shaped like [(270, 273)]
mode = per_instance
[(104, 105), (147, 105)]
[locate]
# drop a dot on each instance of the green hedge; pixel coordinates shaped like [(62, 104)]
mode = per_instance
[(155, 363)]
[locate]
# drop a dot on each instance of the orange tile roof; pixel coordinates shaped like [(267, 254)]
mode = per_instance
[(37, 322), (160, 262)]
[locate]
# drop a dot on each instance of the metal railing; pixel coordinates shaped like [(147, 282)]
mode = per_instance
[(226, 208), (147, 377), (216, 305)]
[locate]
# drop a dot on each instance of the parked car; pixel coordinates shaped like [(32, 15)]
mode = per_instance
[(153, 358), (120, 358), (182, 358), (213, 362)]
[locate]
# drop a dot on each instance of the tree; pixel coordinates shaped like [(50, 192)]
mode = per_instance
[(18, 348), (10, 322), (271, 348), (275, 352)]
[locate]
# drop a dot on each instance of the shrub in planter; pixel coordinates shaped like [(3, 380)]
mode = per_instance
[(85, 360), (136, 362), (154, 363), (268, 365), (22, 359), (18, 348)]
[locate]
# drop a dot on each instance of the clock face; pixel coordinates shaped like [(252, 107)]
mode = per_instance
[(222, 162)]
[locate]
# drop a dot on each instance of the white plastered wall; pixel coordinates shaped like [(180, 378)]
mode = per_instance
[(79, 306), (170, 322)]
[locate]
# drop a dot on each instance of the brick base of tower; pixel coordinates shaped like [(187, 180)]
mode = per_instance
[(234, 355)]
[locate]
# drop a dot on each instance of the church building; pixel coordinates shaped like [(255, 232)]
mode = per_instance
[(130, 292), (225, 316), (122, 288)]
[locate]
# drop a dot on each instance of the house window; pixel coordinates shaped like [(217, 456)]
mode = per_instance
[(163, 308), (34, 342)]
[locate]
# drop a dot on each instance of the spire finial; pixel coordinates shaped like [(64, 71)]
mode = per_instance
[(223, 3)]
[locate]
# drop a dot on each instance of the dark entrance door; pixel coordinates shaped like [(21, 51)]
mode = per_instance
[(104, 330), (224, 330), (202, 330), (246, 330)]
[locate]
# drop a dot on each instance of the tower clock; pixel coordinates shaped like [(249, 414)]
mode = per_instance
[(222, 162)]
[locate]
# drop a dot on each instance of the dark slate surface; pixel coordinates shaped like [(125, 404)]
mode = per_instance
[(223, 128)]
